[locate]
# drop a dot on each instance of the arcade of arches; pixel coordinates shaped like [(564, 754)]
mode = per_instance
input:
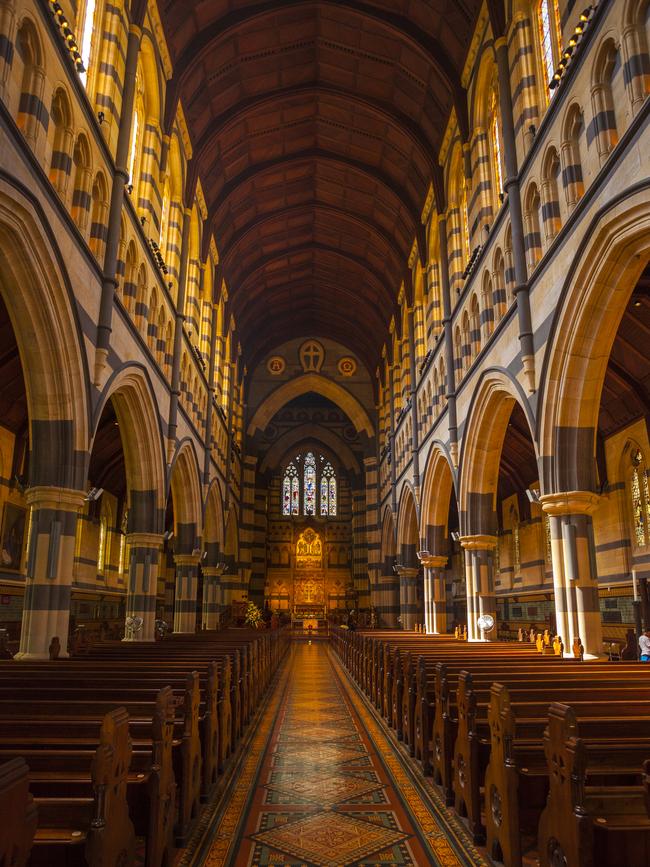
[(337, 308)]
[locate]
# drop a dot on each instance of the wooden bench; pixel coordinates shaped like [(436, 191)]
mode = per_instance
[(139, 703), (584, 822), (18, 812)]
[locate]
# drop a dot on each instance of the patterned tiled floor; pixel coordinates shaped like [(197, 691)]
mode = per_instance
[(322, 784)]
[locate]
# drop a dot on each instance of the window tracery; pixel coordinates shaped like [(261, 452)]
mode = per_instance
[(311, 482)]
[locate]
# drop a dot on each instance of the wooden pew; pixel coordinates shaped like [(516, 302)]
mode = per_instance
[(65, 745), (140, 704), (516, 779), (471, 749), (18, 812), (214, 682), (588, 825), (83, 817)]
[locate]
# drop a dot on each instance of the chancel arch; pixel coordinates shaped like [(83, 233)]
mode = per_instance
[(312, 382)]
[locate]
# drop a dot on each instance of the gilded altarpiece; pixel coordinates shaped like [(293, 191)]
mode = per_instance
[(314, 577)]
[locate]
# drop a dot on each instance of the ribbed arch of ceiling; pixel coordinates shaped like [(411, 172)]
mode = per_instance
[(338, 106)]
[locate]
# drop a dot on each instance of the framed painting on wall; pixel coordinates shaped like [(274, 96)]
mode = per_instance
[(12, 536)]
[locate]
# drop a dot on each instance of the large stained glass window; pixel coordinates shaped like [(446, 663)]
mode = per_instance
[(310, 484)]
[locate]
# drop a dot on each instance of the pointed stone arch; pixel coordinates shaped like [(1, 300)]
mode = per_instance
[(598, 288), (36, 291), (480, 454), (437, 489), (213, 522), (311, 382), (185, 488)]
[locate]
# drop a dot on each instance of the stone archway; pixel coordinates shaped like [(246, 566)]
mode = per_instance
[(480, 469), (127, 464), (186, 502), (384, 593), (437, 551), (407, 564), (311, 382), (36, 296), (213, 565), (593, 304)]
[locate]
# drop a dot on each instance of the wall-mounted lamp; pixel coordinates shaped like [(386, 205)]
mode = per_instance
[(94, 494), (533, 495), (455, 535)]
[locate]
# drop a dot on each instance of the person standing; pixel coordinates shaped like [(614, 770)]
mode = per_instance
[(644, 646)]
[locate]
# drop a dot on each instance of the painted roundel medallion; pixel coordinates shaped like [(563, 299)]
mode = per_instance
[(276, 365), (347, 366)]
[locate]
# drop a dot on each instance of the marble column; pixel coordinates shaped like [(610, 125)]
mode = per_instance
[(211, 610), (479, 566), (52, 530), (435, 596), (185, 601), (144, 560), (575, 580)]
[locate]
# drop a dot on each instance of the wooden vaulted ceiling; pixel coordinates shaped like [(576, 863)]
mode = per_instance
[(315, 129)]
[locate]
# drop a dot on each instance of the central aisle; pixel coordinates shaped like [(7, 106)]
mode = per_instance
[(322, 784)]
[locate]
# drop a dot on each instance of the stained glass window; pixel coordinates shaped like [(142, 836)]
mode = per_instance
[(310, 485), (464, 217), (549, 32), (328, 491), (333, 496), (101, 553), (640, 498), (516, 550), (319, 487), (87, 38), (291, 491), (496, 142), (324, 496), (134, 147)]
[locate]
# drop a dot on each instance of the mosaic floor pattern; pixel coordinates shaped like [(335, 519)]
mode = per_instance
[(323, 784)]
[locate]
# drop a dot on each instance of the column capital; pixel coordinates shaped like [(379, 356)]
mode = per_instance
[(501, 42), (433, 561), (145, 540), (478, 542), (570, 503), (407, 571), (187, 559), (213, 571), (52, 497)]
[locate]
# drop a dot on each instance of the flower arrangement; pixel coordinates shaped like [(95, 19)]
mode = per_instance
[(253, 615)]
